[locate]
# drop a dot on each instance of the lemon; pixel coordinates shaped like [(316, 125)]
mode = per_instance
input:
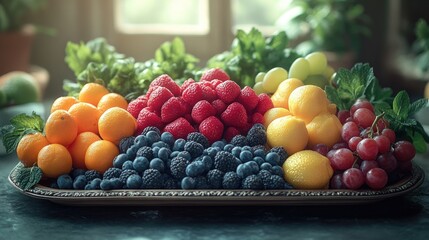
[(308, 101), (281, 97), (307, 169), (288, 132), (325, 128), (273, 114)]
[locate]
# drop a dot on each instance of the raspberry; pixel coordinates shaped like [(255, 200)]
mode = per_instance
[(264, 104), (215, 82), (208, 92), (257, 118), (228, 91), (215, 73), (248, 98), (172, 110), (136, 105), (230, 133), (219, 106), (158, 97), (192, 94), (147, 118), (211, 128), (186, 84), (179, 128), (202, 110), (167, 82), (235, 115)]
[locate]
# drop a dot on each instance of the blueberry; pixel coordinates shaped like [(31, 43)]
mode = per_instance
[(188, 183), (228, 147), (254, 166), (155, 151), (259, 160), (134, 181), (127, 165), (131, 152), (236, 151), (212, 151), (140, 164), (266, 166), (208, 162), (195, 169), (186, 155), (65, 182), (160, 144), (167, 138), (244, 170), (119, 160), (140, 141), (106, 184), (259, 153), (79, 182), (246, 156), (277, 170), (77, 172), (238, 161), (174, 154), (273, 158), (152, 137), (164, 153), (116, 183), (219, 144), (157, 164), (246, 148), (95, 184), (179, 144)]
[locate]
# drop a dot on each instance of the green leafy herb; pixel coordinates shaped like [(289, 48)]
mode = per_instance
[(20, 125), (359, 82), (251, 53), (27, 177), (421, 45)]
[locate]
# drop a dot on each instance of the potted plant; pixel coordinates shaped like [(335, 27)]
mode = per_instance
[(333, 26), (16, 37)]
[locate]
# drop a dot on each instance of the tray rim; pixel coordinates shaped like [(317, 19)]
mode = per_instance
[(222, 197)]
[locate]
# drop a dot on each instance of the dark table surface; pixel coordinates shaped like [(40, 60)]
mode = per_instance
[(23, 217)]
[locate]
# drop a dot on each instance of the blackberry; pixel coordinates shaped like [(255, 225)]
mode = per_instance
[(198, 138), (125, 143), (194, 148), (145, 152), (253, 182), (239, 140), (178, 167), (225, 161), (257, 135), (134, 181), (151, 128), (152, 179), (275, 182), (281, 152), (265, 175), (112, 173), (91, 175), (215, 178), (65, 182), (125, 174), (201, 182), (168, 182), (231, 181)]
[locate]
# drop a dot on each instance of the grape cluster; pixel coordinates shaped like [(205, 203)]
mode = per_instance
[(369, 153), (155, 160)]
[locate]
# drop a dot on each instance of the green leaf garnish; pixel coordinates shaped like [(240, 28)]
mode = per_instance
[(27, 177)]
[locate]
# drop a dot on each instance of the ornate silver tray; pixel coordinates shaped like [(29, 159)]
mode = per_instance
[(161, 197)]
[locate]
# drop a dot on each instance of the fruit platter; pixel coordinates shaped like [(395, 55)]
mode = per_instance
[(296, 132)]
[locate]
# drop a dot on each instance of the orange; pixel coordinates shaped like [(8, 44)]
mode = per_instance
[(86, 117), (308, 101), (63, 103), (61, 128), (325, 128), (54, 160), (288, 132), (78, 148), (29, 146), (112, 100), (281, 97), (115, 124), (92, 93), (100, 154)]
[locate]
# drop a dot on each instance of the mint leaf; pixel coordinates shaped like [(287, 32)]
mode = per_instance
[(417, 106), (32, 121), (419, 142), (401, 105), (27, 177)]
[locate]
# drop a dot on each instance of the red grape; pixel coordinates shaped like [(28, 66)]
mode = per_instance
[(343, 115), (337, 181), (376, 178), (367, 149), (404, 151), (349, 130), (383, 144), (321, 148), (361, 103), (389, 133), (365, 166), (342, 159), (353, 178), (353, 142), (381, 125), (364, 117), (387, 162), (331, 153), (339, 145)]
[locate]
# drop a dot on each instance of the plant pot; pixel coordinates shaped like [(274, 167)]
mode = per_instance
[(341, 60), (15, 50)]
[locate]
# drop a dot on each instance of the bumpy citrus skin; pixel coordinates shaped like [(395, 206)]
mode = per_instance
[(288, 132), (115, 124), (28, 148), (63, 103), (307, 169), (273, 114), (78, 148), (54, 160), (281, 97), (306, 102), (92, 93), (86, 116), (100, 154), (325, 129), (61, 128)]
